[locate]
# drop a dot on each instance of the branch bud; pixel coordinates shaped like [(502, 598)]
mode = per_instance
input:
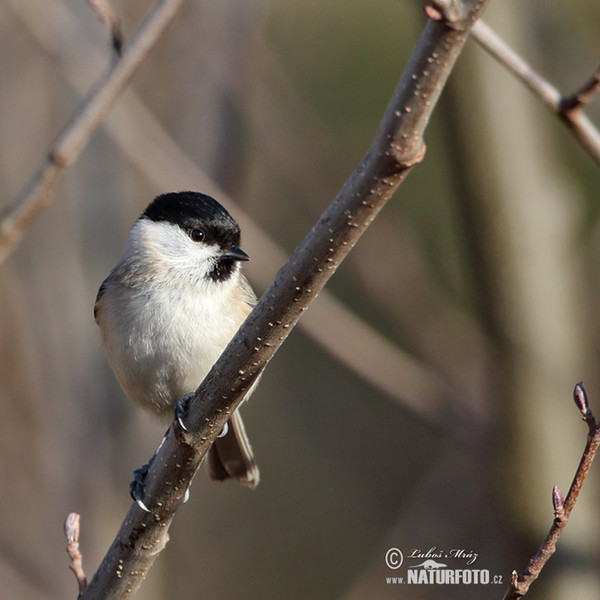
[(558, 502), (72, 528), (581, 400)]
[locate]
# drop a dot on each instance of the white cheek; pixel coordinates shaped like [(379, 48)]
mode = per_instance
[(170, 251)]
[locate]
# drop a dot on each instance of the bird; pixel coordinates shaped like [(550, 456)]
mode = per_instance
[(169, 308)]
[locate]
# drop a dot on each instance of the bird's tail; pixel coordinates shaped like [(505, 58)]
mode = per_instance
[(231, 455)]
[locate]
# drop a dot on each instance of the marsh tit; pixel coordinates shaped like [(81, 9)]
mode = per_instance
[(169, 308)]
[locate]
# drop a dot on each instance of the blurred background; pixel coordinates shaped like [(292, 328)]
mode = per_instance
[(425, 399)]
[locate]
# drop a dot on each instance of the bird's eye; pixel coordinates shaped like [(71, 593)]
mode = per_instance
[(197, 235)]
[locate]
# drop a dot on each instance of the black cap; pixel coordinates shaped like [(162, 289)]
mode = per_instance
[(186, 208), (191, 210)]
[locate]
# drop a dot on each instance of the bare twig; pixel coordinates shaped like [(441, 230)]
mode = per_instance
[(515, 63), (567, 109), (583, 95), (397, 148), (36, 194), (109, 18), (519, 585), (72, 535)]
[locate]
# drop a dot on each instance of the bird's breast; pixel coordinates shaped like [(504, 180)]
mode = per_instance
[(162, 345)]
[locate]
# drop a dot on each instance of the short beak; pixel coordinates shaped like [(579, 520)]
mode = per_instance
[(235, 253)]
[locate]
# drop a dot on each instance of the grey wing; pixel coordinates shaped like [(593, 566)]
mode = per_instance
[(112, 279), (98, 302), (247, 292)]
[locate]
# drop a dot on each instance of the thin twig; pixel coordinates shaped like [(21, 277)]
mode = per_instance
[(36, 194), (109, 18), (584, 131), (583, 95), (76, 565), (519, 585), (397, 148)]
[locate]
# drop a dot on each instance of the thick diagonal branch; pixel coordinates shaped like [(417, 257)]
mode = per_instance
[(397, 148)]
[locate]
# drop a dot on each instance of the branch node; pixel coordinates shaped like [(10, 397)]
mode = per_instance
[(433, 13), (583, 96), (513, 588), (109, 17), (57, 157), (450, 12)]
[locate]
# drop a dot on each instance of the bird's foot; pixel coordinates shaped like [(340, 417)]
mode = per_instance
[(137, 487), (181, 410)]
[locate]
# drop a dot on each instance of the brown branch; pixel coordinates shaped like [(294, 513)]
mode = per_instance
[(36, 194), (72, 535), (568, 109), (519, 585), (397, 148)]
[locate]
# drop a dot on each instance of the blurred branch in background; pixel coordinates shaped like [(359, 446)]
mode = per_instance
[(36, 194), (567, 108)]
